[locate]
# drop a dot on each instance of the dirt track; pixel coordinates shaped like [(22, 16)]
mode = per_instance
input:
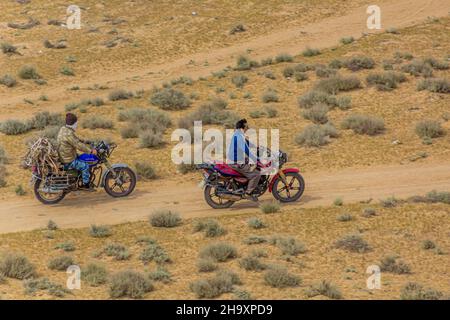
[(352, 185), (324, 34)]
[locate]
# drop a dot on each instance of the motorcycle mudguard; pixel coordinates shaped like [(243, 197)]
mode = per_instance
[(275, 177), (114, 166)]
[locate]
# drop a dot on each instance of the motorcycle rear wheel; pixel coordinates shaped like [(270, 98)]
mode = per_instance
[(294, 181), (126, 182), (46, 198), (210, 196)]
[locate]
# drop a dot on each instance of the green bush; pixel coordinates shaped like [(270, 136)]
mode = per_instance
[(324, 288), (255, 223), (219, 252), (270, 95), (389, 202), (288, 245), (359, 63), (8, 80), (345, 217), (60, 263), (317, 113), (43, 119), (211, 227), (245, 63), (255, 240), (270, 111), (353, 243), (403, 55), (283, 57), (15, 127), (67, 71), (336, 84), (269, 75), (146, 119), (336, 64), (364, 124), (20, 190), (185, 168), (270, 207), (429, 129), (428, 245), (3, 156), (434, 85), (279, 277), (96, 102), (209, 114), (29, 72), (369, 212), (347, 40), (150, 139), (206, 265), (16, 266), (316, 135), (8, 48), (120, 94), (267, 61), (436, 64), (418, 68), (222, 282), (94, 274), (310, 52), (160, 274), (300, 76), (386, 81), (252, 263), (31, 286), (438, 197), (288, 72), (314, 97), (239, 81), (99, 231), (324, 72), (170, 99), (154, 252), (117, 251), (145, 170), (97, 122), (130, 284), (393, 265), (415, 291), (165, 219)]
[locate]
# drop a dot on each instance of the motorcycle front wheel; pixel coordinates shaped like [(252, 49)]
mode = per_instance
[(292, 190), (47, 197), (120, 183), (214, 200)]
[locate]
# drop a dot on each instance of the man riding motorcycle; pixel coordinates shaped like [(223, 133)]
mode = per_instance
[(239, 156), (68, 144)]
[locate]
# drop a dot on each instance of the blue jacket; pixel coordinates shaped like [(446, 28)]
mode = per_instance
[(239, 151)]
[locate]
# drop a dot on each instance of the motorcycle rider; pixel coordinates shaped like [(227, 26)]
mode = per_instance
[(68, 144), (238, 157)]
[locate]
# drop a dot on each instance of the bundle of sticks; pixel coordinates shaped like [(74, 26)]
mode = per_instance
[(43, 155)]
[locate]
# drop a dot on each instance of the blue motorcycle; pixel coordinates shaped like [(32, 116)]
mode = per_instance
[(52, 183)]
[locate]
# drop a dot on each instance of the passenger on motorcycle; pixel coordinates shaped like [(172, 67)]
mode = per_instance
[(238, 157), (68, 144)]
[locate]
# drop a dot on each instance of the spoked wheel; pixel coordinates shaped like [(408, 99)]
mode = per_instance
[(214, 200), (292, 190), (45, 196), (122, 184)]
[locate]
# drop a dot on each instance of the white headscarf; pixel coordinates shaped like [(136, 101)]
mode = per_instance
[(73, 126)]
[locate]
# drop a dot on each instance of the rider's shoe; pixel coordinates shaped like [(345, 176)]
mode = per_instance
[(87, 187), (251, 197)]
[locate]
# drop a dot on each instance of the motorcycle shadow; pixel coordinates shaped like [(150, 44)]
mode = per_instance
[(250, 204)]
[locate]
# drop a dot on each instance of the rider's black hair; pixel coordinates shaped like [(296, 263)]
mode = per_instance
[(241, 124)]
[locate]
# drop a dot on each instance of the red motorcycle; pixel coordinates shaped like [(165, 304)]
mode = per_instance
[(223, 185)]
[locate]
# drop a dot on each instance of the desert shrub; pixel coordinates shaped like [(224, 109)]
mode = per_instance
[(43, 119), (129, 132), (403, 55), (239, 81), (94, 274), (209, 114), (336, 64), (8, 80), (66, 246), (269, 75), (97, 122), (130, 284), (3, 181), (283, 57), (364, 124), (242, 295), (300, 76), (415, 291), (386, 81), (393, 265), (31, 286), (325, 72), (288, 245), (310, 52), (117, 251), (314, 97), (219, 252), (252, 263), (206, 265), (185, 168), (288, 72), (211, 227), (165, 219), (120, 94), (8, 48), (270, 207), (316, 135), (359, 62), (279, 277), (71, 106), (338, 202), (3, 156), (60, 263), (16, 266), (99, 231), (388, 65), (254, 240), (317, 113), (161, 274), (154, 252), (28, 72), (267, 61), (324, 288), (369, 212), (438, 197), (145, 170), (336, 84), (247, 95), (150, 139), (270, 111), (96, 102), (182, 80), (15, 127), (218, 102), (352, 243), (428, 244), (255, 223), (245, 63), (418, 68), (67, 71), (345, 217), (270, 95), (347, 40), (434, 85), (51, 225), (170, 99), (146, 119), (222, 282), (436, 64), (390, 202), (429, 129)]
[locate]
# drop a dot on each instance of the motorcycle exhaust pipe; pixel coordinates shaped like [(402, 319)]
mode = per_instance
[(229, 196)]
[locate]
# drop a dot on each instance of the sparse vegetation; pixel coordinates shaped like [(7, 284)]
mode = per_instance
[(94, 274), (8, 80), (116, 250), (336, 84), (353, 243), (164, 218), (210, 227), (324, 288), (386, 81), (279, 277), (437, 85), (97, 122), (429, 129), (222, 282), (206, 265), (364, 124), (60, 263), (99, 231), (129, 284), (145, 170), (219, 252), (255, 223), (393, 265), (154, 252), (415, 291), (316, 135), (359, 62), (310, 52), (317, 113), (170, 99), (120, 94), (270, 207), (66, 246), (252, 263), (17, 266), (28, 72)]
